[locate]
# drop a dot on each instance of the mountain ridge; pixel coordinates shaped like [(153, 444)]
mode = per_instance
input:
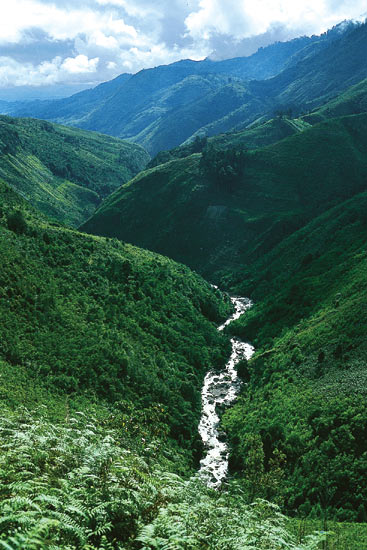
[(138, 109)]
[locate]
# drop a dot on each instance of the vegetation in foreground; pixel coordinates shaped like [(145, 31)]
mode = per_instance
[(78, 484), (102, 327)]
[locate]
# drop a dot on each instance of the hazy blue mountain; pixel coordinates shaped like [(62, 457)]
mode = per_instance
[(164, 106)]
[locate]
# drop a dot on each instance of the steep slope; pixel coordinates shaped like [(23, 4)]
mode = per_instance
[(257, 135), (64, 172), (83, 316), (353, 101), (215, 221), (305, 406), (320, 77)]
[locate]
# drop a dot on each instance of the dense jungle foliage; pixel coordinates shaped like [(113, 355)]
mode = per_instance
[(88, 315), (285, 235)]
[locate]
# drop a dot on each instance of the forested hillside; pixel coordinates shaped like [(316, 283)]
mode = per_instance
[(64, 172), (90, 315), (222, 209), (285, 225)]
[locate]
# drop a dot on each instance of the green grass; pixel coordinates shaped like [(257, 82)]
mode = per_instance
[(64, 172), (343, 536)]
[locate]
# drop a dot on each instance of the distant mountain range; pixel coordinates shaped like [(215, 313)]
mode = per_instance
[(161, 108)]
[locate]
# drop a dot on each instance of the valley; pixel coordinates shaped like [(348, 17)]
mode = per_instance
[(143, 408)]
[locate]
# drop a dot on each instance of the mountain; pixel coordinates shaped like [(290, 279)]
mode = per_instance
[(286, 226), (192, 210), (64, 172), (160, 108)]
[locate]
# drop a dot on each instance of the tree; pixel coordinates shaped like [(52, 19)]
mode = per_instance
[(16, 222), (225, 168)]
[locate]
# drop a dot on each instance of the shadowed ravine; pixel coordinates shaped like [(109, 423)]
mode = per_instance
[(221, 389)]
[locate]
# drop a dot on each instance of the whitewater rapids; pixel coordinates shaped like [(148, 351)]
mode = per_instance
[(221, 389)]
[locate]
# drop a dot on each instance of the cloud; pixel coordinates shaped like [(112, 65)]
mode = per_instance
[(13, 73), (79, 41), (80, 64), (243, 19)]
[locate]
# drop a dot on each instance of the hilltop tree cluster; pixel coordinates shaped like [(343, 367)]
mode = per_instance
[(224, 168)]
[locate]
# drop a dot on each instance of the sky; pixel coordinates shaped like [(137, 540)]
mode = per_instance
[(79, 43)]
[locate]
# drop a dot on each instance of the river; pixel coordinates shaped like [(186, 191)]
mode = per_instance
[(221, 389)]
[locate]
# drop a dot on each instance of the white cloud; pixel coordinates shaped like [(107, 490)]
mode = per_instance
[(13, 73), (242, 18), (80, 64), (106, 37)]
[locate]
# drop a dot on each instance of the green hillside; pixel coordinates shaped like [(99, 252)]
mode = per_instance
[(353, 101), (305, 404), (64, 172), (100, 397), (216, 223), (259, 134)]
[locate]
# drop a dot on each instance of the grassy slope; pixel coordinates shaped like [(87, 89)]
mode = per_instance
[(353, 101), (257, 135), (86, 315), (307, 391), (64, 172), (188, 217)]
